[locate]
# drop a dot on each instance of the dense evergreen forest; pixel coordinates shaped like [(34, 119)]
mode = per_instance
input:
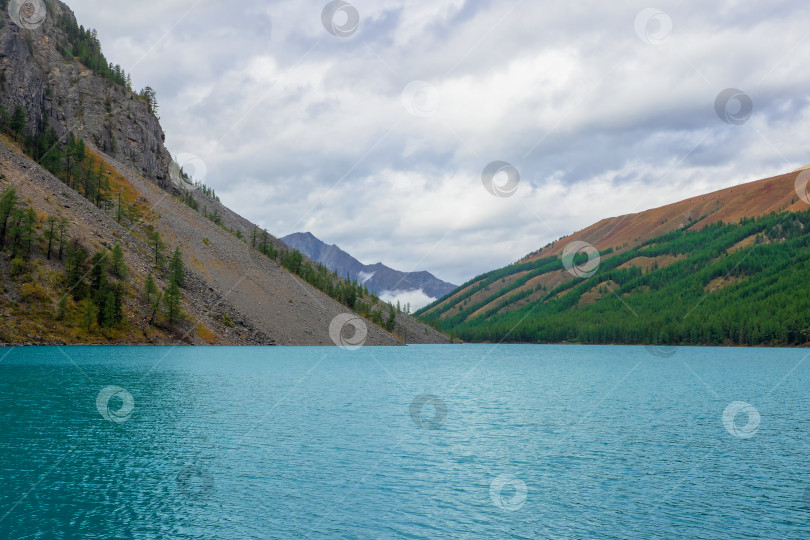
[(713, 294)]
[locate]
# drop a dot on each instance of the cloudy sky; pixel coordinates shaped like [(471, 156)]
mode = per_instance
[(375, 136)]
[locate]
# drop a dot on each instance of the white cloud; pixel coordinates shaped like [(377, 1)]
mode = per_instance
[(416, 299), (301, 130)]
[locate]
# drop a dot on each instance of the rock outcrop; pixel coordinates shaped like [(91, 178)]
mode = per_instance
[(69, 97)]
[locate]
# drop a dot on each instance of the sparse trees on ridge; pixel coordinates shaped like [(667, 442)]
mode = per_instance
[(156, 242)]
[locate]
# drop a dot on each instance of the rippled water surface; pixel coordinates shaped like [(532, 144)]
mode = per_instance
[(417, 442)]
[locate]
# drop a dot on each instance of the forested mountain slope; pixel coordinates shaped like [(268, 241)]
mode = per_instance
[(702, 282)]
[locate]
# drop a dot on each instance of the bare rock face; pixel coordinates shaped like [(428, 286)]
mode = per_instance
[(69, 97)]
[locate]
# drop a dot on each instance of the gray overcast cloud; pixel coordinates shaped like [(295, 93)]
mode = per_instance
[(377, 141)]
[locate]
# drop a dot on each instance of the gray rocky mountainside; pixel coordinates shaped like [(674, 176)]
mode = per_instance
[(233, 294), (69, 97), (379, 278)]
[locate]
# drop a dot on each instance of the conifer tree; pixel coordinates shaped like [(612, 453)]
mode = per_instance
[(8, 204), (157, 247), (18, 121), (391, 322), (177, 269), (150, 289), (110, 313), (29, 230), (89, 314), (63, 238), (50, 233), (171, 299), (118, 266)]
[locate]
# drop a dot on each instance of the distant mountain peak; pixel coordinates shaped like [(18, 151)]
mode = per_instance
[(416, 288)]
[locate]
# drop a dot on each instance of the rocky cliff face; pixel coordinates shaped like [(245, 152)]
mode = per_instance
[(69, 97)]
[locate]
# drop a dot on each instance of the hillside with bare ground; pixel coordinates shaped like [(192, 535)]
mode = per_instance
[(777, 194), (673, 263), (101, 243), (233, 294)]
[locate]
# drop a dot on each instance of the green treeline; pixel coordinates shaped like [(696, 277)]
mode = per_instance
[(85, 46), (74, 165), (348, 292), (42, 148), (174, 270), (95, 283), (758, 295), (90, 288)]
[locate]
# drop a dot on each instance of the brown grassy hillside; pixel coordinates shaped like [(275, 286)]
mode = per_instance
[(619, 234), (727, 205)]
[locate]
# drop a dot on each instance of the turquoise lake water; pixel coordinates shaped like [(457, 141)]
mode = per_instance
[(418, 442)]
